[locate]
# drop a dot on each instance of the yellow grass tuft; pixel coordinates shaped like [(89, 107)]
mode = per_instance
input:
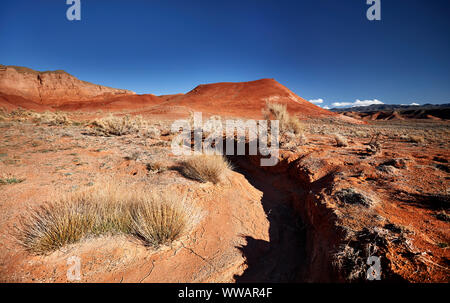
[(112, 208), (206, 168), (287, 122), (341, 141)]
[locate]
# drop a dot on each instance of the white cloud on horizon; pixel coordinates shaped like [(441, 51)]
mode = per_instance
[(326, 107), (316, 101), (357, 103), (412, 104)]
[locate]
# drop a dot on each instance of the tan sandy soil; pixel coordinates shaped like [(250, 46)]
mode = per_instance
[(282, 223)]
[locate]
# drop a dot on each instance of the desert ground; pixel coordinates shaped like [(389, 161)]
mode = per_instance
[(343, 190)]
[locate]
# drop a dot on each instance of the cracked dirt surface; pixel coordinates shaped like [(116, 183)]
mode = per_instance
[(251, 230)]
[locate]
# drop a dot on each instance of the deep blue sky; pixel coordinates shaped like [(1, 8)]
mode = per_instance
[(318, 48)]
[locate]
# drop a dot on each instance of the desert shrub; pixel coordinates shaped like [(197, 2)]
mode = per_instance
[(341, 141), (416, 139), (350, 261), (133, 157), (152, 132), (118, 126), (51, 118), (295, 125), (351, 196), (374, 145), (21, 114), (291, 141), (156, 167), (350, 258), (3, 114), (107, 209), (10, 180), (47, 117), (206, 168), (280, 113)]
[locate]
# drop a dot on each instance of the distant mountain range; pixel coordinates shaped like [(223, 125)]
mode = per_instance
[(397, 112), (389, 107)]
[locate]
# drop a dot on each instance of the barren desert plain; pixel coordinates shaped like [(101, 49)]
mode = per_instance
[(88, 171)]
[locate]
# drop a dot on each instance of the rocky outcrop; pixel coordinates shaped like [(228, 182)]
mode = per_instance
[(51, 87)]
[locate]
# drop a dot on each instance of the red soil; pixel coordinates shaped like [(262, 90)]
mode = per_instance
[(126, 102), (11, 102)]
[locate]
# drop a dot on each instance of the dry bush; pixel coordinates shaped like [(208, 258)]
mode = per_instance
[(21, 114), (47, 117), (156, 166), (118, 126), (350, 263), (107, 209), (374, 145), (206, 168), (341, 141), (416, 139), (51, 118), (287, 122), (290, 141), (10, 181), (354, 197), (296, 126), (3, 114), (152, 132)]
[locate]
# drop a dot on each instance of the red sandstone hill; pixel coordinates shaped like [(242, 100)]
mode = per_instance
[(246, 99), (51, 87), (29, 89)]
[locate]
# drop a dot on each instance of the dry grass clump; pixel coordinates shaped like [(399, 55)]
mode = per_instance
[(351, 196), (51, 118), (341, 141), (21, 114), (291, 129), (350, 262), (157, 218), (206, 168), (47, 117), (3, 114), (152, 132), (287, 122), (11, 180), (156, 166), (163, 220), (118, 126), (416, 139)]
